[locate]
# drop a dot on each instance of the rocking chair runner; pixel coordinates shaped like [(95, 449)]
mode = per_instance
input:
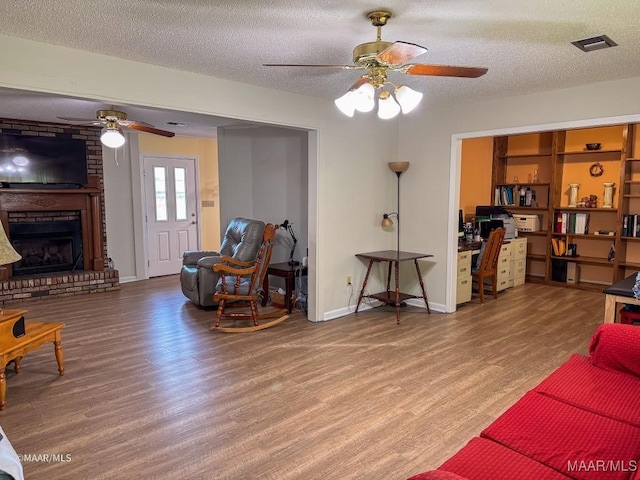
[(240, 286)]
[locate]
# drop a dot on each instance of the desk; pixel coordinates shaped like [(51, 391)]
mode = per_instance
[(393, 257), (619, 292), (37, 334), (289, 273)]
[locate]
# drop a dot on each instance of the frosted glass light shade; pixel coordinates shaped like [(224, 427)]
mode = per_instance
[(112, 137), (364, 100), (408, 98), (387, 108), (346, 104)]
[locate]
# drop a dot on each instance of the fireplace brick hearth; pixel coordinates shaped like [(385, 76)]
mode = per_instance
[(86, 205)]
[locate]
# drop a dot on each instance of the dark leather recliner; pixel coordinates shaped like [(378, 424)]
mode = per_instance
[(241, 241)]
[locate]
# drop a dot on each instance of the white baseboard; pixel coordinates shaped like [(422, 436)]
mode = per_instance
[(414, 302), (128, 279)]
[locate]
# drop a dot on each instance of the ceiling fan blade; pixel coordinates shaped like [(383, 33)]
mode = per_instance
[(347, 67), (145, 128), (400, 52), (443, 70), (76, 119), (128, 123)]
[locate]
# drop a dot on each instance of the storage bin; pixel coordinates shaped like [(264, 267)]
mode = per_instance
[(527, 223)]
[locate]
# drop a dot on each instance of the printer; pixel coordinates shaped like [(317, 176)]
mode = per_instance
[(489, 218)]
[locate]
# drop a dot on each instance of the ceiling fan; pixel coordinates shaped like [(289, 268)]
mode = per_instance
[(113, 121), (378, 58)]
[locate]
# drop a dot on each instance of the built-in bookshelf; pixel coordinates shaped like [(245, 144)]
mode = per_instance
[(534, 174)]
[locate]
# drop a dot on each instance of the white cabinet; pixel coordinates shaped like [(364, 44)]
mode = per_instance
[(518, 261), (463, 290)]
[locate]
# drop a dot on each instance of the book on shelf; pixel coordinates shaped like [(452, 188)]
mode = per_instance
[(631, 225), (571, 223)]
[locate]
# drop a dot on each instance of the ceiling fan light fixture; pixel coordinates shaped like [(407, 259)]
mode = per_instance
[(346, 104), (408, 98), (112, 137), (364, 98), (387, 107)]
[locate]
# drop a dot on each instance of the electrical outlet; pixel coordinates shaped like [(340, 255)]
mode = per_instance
[(348, 279)]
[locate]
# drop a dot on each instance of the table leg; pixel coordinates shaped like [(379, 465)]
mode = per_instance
[(609, 309), (364, 285), (3, 389), (389, 277), (57, 345), (424, 292), (16, 364), (288, 286), (397, 271)]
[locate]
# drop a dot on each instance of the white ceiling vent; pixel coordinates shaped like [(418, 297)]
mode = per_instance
[(594, 43)]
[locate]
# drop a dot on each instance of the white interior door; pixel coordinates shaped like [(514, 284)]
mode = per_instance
[(172, 221)]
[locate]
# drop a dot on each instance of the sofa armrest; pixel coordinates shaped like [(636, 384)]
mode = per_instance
[(616, 347), (208, 262), (192, 257)]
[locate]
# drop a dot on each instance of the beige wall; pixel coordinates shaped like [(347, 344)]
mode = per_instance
[(206, 152), (475, 174)]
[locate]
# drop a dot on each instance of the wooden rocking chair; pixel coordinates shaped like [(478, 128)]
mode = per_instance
[(240, 286)]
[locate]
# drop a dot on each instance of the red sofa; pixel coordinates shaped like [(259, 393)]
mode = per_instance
[(581, 422)]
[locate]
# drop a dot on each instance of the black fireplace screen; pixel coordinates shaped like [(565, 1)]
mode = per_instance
[(47, 247)]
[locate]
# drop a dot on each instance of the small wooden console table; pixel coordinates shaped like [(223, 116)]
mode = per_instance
[(14, 348), (288, 272), (393, 297)]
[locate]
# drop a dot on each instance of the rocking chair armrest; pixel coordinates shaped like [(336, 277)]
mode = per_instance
[(227, 269), (237, 262)]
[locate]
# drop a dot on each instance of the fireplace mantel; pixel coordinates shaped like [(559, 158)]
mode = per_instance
[(84, 200)]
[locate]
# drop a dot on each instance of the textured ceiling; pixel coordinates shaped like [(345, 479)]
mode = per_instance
[(525, 45)]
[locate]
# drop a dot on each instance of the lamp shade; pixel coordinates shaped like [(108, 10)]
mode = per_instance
[(408, 98), (7, 253), (346, 104), (387, 107), (398, 167), (112, 137), (386, 221), (364, 98)]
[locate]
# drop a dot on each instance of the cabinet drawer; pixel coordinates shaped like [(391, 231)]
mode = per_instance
[(518, 281), (463, 291), (506, 249), (464, 264), (519, 248), (504, 260), (503, 272), (503, 283)]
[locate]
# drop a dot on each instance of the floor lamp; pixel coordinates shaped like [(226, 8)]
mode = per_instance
[(398, 168)]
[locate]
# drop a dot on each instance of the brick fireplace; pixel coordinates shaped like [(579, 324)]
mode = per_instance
[(58, 231)]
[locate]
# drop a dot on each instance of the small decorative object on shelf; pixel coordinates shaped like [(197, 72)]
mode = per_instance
[(608, 195), (535, 176), (636, 287), (588, 202), (573, 194), (593, 146)]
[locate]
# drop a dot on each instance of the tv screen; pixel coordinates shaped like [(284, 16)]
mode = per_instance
[(43, 160)]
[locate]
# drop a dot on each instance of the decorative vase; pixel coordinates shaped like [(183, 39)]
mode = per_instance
[(608, 195), (573, 194)]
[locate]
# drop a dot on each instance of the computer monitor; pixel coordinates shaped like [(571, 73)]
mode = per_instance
[(460, 224)]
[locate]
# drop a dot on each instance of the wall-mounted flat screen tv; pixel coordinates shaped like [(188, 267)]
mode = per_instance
[(42, 160)]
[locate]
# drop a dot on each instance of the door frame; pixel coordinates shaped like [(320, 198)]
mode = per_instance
[(143, 197)]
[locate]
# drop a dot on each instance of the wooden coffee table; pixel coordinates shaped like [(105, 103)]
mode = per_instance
[(36, 335)]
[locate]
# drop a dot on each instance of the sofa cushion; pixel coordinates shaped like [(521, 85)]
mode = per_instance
[(576, 442), (609, 393), (483, 459), (616, 347)]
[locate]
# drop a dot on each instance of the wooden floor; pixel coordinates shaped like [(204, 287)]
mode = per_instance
[(149, 392)]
